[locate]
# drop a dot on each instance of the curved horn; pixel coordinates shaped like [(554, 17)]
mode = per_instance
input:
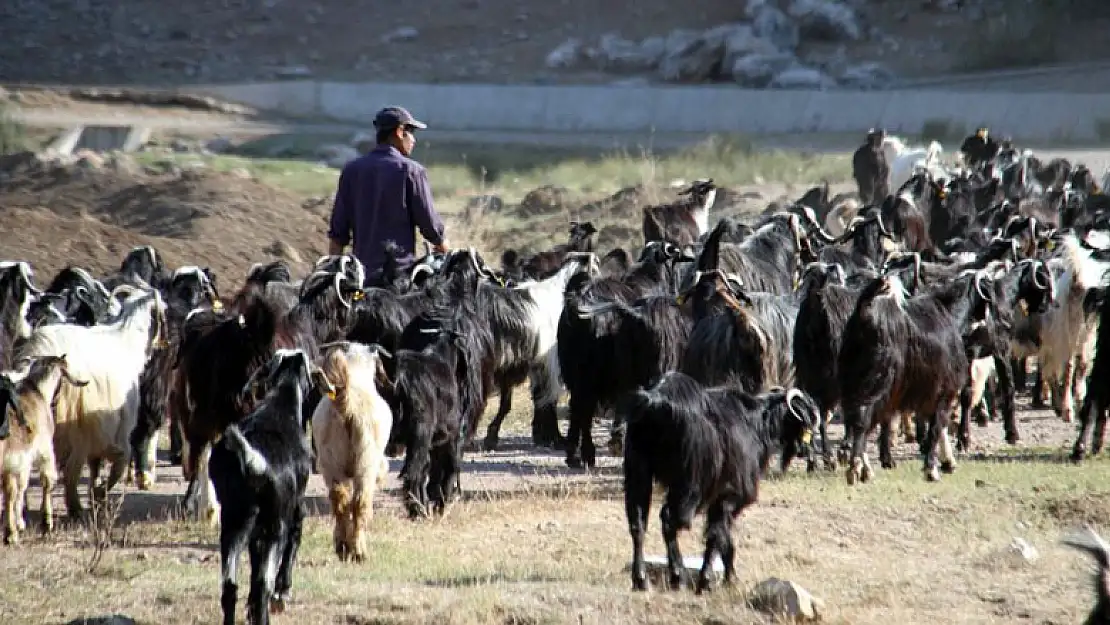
[(381, 351), (1036, 281), (341, 277), (882, 226), (791, 395), (331, 344), (979, 288)]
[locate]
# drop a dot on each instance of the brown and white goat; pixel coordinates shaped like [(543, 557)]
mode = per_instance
[(30, 441), (350, 429)]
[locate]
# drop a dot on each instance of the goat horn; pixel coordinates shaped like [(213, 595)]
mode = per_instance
[(419, 269), (1036, 282), (381, 351), (339, 278), (882, 226), (979, 288), (332, 344), (791, 395)]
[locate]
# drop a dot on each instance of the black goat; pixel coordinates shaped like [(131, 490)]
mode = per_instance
[(71, 278), (681, 222), (708, 447), (870, 169), (979, 149), (428, 414), (259, 470), (739, 338), (901, 354)]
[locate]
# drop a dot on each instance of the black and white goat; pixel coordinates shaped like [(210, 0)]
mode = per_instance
[(546, 264), (681, 222), (260, 468), (708, 447)]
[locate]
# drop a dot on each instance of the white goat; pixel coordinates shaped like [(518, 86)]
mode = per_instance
[(904, 161), (350, 429), (1067, 334), (29, 391), (94, 423)]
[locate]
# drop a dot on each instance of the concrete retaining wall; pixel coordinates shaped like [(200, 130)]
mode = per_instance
[(576, 109)]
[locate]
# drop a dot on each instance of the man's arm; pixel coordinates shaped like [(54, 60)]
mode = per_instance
[(423, 209), (339, 229)]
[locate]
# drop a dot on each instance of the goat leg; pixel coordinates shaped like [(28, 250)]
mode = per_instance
[(637, 503), (676, 573), (1005, 395), (1088, 413), (716, 532), (580, 411), (886, 454), (232, 544), (284, 583), (963, 440), (504, 406)]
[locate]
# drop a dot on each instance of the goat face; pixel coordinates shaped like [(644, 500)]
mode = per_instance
[(348, 265), (1036, 287), (189, 285), (285, 364), (144, 263), (48, 309), (18, 291), (581, 230), (801, 419), (818, 275)]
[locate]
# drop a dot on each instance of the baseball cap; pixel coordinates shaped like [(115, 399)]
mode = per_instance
[(393, 116)]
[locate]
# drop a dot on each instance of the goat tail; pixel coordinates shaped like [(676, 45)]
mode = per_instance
[(253, 463)]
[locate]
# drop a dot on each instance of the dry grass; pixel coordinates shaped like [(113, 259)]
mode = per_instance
[(459, 172), (898, 550)]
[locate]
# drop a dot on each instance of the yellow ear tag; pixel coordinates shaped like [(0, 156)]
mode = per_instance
[(217, 305), (1024, 306), (358, 295), (1051, 245), (331, 395), (680, 299), (807, 436)]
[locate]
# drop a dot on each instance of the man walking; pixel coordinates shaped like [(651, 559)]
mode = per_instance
[(385, 196)]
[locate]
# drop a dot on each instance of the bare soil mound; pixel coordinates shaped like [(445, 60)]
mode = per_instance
[(90, 212)]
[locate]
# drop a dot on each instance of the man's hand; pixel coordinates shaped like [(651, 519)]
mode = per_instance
[(442, 248), (335, 248)]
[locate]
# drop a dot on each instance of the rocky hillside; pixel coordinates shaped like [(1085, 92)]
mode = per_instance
[(585, 41)]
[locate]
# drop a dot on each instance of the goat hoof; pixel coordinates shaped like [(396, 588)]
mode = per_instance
[(277, 604), (490, 443), (639, 584), (852, 475), (574, 462), (47, 525), (888, 464), (842, 455), (865, 474), (1077, 454), (909, 439), (947, 467), (811, 466), (830, 464), (1012, 438), (932, 474)]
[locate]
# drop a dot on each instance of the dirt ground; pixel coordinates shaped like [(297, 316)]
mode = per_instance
[(138, 42)]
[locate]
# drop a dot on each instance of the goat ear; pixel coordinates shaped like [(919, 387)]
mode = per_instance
[(320, 379)]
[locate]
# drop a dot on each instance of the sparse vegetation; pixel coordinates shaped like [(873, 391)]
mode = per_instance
[(557, 555), (13, 136)]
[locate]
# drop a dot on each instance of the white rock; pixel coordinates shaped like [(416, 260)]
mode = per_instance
[(826, 20), (770, 23), (802, 77), (616, 53), (404, 33), (566, 55), (757, 70), (1023, 550), (785, 598), (337, 155), (742, 41), (866, 76)]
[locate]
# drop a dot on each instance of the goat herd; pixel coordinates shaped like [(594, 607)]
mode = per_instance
[(714, 350)]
